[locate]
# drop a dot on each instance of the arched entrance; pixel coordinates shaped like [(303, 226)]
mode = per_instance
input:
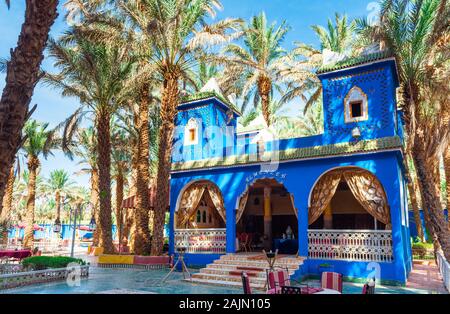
[(267, 217), (200, 219), (349, 217)]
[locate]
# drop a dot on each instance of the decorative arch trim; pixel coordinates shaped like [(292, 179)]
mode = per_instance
[(364, 185)]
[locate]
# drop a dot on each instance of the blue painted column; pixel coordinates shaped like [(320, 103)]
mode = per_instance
[(231, 228), (302, 206), (390, 180)]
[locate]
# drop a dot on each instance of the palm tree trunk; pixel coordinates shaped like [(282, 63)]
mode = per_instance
[(33, 164), (21, 78), (7, 206), (447, 178), (119, 200), (58, 207), (169, 106), (94, 203), (104, 171), (142, 233), (412, 191), (129, 228), (427, 174), (264, 87)]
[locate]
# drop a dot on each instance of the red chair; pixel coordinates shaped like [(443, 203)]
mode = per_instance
[(332, 281), (246, 283), (276, 280), (369, 287)]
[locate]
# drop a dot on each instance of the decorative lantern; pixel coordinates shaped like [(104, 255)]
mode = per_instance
[(356, 133), (57, 226), (92, 224)]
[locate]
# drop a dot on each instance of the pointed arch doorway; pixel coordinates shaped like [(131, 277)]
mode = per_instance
[(267, 216)]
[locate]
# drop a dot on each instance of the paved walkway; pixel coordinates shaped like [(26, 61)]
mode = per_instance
[(425, 275)]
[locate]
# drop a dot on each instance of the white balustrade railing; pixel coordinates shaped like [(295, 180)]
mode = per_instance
[(201, 240), (351, 245), (444, 269), (19, 279)]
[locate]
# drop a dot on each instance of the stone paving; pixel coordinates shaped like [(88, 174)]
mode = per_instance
[(425, 275)]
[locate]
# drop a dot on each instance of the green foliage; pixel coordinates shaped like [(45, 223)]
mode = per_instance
[(47, 262)]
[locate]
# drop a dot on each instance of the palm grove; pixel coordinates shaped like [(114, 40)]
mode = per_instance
[(130, 63)]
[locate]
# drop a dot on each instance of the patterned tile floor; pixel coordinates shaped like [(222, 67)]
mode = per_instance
[(129, 281)]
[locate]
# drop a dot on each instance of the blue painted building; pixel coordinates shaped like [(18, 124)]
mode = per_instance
[(337, 198)]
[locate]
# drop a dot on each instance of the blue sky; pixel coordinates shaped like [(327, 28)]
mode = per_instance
[(52, 108)]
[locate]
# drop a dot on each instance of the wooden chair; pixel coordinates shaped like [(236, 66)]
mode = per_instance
[(246, 283), (243, 242), (332, 281)]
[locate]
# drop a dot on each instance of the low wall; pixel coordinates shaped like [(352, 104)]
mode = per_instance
[(356, 270), (133, 261), (444, 269), (21, 279)]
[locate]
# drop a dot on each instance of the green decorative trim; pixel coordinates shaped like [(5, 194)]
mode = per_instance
[(206, 95), (350, 62), (295, 153)]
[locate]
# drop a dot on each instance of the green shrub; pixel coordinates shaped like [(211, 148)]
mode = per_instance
[(419, 249), (46, 262)]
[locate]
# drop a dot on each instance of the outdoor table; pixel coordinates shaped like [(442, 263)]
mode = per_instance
[(328, 291), (17, 254)]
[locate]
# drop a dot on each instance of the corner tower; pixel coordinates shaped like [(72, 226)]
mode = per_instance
[(359, 98)]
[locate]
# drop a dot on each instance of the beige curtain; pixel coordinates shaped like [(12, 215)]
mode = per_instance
[(370, 194), (291, 197), (217, 199), (242, 204), (189, 203), (322, 194)]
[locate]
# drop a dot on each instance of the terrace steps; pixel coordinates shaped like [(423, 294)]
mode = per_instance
[(227, 270)]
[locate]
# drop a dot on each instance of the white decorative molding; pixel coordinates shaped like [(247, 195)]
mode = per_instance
[(351, 245), (356, 94), (201, 240), (191, 126)]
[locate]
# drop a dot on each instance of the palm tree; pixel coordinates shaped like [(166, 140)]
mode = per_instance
[(96, 74), (415, 32), (23, 72), (176, 31), (121, 157), (5, 211), (38, 142), (60, 185), (336, 37), (299, 74), (254, 68)]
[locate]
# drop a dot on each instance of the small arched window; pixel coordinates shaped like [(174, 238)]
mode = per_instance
[(191, 133), (204, 216), (199, 217), (356, 106)]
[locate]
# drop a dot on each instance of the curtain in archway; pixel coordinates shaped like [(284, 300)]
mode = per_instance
[(242, 204), (370, 194), (291, 197), (217, 199), (322, 194), (189, 202)]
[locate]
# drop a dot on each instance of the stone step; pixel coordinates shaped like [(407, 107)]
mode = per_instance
[(215, 271), (220, 283), (246, 268), (262, 264), (254, 281), (227, 270), (232, 272)]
